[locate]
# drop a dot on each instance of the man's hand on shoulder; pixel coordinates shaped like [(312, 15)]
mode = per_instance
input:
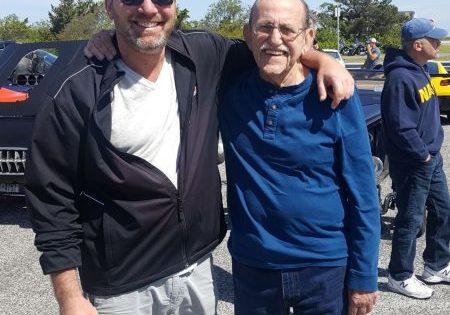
[(334, 81), (361, 303), (101, 46)]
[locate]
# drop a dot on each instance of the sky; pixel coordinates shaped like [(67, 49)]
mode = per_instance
[(36, 10)]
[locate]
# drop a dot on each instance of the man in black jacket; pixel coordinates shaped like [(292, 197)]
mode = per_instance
[(122, 178)]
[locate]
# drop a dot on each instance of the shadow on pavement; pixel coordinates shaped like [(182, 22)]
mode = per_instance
[(382, 272), (13, 211), (224, 284)]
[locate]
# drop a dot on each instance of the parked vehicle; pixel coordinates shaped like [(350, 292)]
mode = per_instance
[(370, 87), (356, 48), (4, 44), (440, 79), (27, 73), (335, 54)]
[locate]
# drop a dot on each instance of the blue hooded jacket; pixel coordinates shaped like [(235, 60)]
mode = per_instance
[(409, 110)]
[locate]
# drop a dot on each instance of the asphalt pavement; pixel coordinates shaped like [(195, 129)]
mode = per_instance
[(25, 291)]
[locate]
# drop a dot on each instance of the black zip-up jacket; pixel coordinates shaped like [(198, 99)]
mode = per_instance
[(113, 215)]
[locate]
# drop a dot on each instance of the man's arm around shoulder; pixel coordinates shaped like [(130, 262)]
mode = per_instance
[(332, 78)]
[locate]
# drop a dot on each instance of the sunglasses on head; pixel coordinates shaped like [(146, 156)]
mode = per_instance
[(139, 2)]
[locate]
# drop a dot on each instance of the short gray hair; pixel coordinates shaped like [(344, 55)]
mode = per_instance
[(308, 19), (406, 44)]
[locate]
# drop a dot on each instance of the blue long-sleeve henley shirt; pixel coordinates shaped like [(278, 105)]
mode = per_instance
[(301, 186)]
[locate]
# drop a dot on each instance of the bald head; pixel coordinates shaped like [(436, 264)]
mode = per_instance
[(305, 19)]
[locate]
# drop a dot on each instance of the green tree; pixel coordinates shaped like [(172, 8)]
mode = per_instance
[(40, 32), (182, 18), (12, 28), (363, 19), (226, 17), (326, 38), (61, 14), (83, 26)]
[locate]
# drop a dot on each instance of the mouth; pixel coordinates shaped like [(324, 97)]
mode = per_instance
[(147, 25), (274, 52)]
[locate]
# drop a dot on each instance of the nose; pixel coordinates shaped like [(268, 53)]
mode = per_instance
[(275, 37), (148, 7)]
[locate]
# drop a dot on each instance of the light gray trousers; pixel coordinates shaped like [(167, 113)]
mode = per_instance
[(187, 293)]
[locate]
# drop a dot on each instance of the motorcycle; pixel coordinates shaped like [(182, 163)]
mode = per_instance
[(357, 48)]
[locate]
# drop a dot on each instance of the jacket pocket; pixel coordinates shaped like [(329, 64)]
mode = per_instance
[(97, 233)]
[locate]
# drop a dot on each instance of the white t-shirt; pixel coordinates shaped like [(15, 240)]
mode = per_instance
[(145, 118)]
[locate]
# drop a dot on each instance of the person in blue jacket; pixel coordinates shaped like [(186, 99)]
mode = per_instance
[(413, 136), (304, 211)]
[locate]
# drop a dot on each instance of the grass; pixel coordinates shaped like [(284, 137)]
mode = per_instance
[(444, 55)]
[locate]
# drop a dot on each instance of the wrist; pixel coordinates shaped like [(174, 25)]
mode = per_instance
[(66, 287)]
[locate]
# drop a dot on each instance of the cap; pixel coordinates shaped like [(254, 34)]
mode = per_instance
[(419, 28), (372, 40)]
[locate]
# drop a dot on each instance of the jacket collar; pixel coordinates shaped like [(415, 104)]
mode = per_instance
[(111, 73)]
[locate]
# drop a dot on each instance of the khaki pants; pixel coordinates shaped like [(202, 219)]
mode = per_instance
[(186, 293)]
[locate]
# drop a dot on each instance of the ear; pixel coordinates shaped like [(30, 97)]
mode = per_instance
[(310, 34), (417, 45), (247, 34)]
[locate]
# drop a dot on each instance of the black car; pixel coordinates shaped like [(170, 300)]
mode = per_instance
[(26, 73), (4, 44)]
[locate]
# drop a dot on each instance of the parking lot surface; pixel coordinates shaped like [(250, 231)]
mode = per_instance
[(25, 291)]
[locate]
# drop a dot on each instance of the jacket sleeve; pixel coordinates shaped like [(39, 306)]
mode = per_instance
[(362, 218), (227, 57), (401, 116), (51, 176)]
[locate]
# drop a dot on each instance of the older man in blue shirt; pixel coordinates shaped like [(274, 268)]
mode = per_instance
[(301, 187)]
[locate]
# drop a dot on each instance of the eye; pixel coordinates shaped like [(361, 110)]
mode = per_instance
[(265, 28), (287, 30)]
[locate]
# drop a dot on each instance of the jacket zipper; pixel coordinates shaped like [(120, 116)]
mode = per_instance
[(143, 164), (182, 221), (183, 144)]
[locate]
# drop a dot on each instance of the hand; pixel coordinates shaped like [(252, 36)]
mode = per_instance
[(100, 45), (77, 306), (335, 81), (361, 303), (68, 294)]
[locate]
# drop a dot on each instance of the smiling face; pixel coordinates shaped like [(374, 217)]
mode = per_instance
[(277, 36), (144, 27)]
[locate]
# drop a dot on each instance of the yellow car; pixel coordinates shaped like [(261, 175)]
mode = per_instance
[(440, 79)]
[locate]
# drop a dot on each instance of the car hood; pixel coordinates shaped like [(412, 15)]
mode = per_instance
[(370, 101)]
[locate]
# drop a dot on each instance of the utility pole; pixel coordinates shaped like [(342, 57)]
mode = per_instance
[(337, 14)]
